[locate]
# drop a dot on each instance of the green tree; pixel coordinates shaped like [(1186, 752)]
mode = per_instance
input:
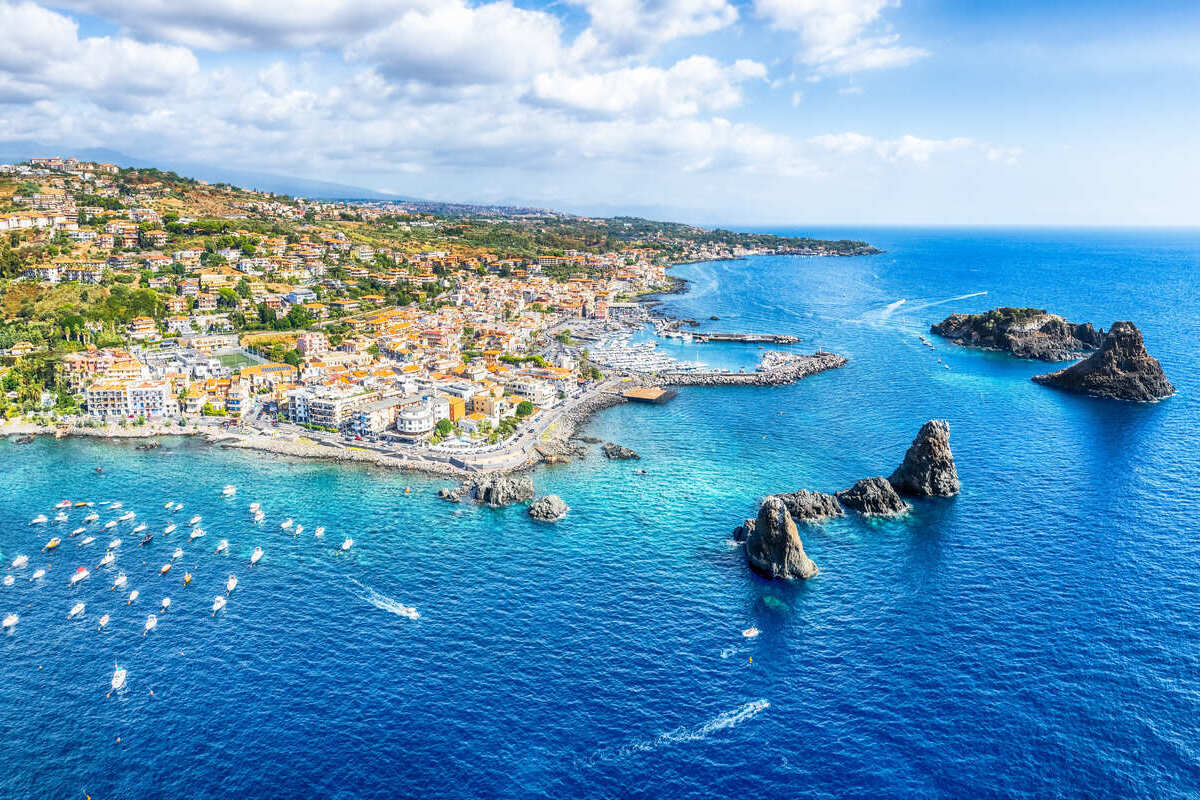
[(444, 426), (524, 408)]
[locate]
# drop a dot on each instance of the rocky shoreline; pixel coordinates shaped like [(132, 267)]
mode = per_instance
[(1022, 332)]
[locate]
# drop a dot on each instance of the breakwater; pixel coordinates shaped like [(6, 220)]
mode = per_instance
[(778, 369)]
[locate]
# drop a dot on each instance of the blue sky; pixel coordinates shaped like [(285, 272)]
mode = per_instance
[(715, 111)]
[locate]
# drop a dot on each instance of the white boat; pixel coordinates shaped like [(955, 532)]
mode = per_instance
[(10, 622), (114, 544), (103, 622), (75, 611), (120, 581), (750, 632), (218, 604), (108, 559), (254, 507), (60, 516), (195, 520), (86, 540), (128, 515), (79, 575), (40, 519), (167, 505), (78, 531), (299, 530), (20, 561), (256, 556), (346, 545), (231, 584), (259, 516), (37, 575), (132, 596), (140, 527), (117, 504), (118, 678), (63, 504), (9, 580), (229, 491), (165, 569), (196, 534), (176, 507), (287, 523), (319, 532), (166, 603), (169, 528), (92, 517), (178, 553), (112, 523), (222, 546), (151, 624)]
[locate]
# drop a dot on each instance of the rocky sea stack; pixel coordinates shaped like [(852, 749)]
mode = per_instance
[(1023, 332), (1121, 369), (550, 508), (873, 497), (928, 469), (806, 506), (492, 490), (773, 547), (617, 452)]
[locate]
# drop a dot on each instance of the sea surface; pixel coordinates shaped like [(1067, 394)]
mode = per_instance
[(1037, 636)]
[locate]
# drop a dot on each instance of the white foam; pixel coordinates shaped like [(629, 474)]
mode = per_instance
[(385, 603), (722, 721)]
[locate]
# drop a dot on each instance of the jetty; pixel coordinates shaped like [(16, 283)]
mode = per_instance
[(649, 394)]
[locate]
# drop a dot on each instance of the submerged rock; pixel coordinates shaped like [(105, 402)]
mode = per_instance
[(452, 495), (1023, 332), (928, 469), (1121, 369), (806, 506), (549, 508), (873, 497), (617, 452), (773, 547)]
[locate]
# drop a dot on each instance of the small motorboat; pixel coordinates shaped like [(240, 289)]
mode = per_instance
[(128, 515), (20, 561), (195, 520), (40, 519), (114, 544), (147, 539), (196, 533), (176, 507), (10, 622), (78, 575), (103, 622), (141, 526), (218, 604), (750, 632), (112, 523), (120, 582), (256, 556), (60, 516), (167, 505), (9, 580), (319, 532), (231, 584), (299, 530), (151, 624), (229, 491), (52, 544), (116, 504), (166, 603), (77, 531), (346, 545), (108, 559), (81, 504), (134, 595), (222, 546), (63, 504), (75, 611), (165, 569), (37, 575), (187, 579), (259, 516), (169, 528), (118, 678), (287, 523), (92, 517), (254, 507), (178, 553), (86, 540)]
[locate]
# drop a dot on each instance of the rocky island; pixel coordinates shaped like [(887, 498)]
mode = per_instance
[(773, 545), (1121, 369), (550, 508), (1023, 332), (494, 490), (928, 469)]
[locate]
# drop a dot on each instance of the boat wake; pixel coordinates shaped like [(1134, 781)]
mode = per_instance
[(683, 734), (948, 300), (383, 602), (891, 308)]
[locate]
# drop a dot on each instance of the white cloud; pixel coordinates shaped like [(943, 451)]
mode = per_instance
[(692, 86), (904, 148), (840, 36), (625, 27)]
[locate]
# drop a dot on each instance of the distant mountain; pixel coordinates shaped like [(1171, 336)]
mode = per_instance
[(11, 152)]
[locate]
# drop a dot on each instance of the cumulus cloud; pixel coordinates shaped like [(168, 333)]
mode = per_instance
[(692, 86), (904, 148), (625, 27), (840, 36)]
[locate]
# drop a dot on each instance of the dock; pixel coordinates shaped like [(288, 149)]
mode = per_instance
[(649, 394)]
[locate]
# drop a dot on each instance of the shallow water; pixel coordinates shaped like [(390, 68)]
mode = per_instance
[(1034, 636)]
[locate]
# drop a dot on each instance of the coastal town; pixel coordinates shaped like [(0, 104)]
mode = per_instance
[(136, 302)]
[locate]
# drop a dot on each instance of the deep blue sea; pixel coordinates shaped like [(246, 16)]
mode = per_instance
[(1037, 636)]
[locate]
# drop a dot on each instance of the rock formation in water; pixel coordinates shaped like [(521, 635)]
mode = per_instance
[(773, 547), (806, 506), (742, 532), (1120, 369), (928, 469), (617, 452), (873, 497), (492, 490), (549, 508), (1024, 332)]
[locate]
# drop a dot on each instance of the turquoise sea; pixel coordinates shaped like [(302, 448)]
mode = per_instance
[(1037, 636)]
